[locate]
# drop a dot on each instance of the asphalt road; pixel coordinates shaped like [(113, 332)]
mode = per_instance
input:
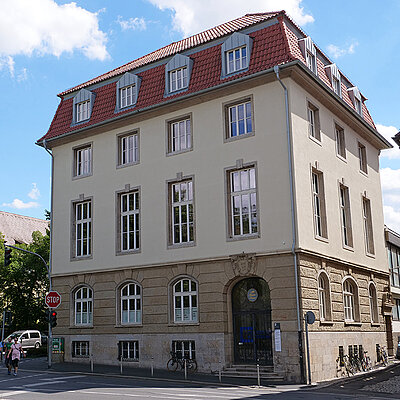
[(31, 384)]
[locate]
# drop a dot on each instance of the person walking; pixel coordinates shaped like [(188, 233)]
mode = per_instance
[(7, 347), (15, 352)]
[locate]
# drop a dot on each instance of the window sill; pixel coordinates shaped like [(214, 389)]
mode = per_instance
[(127, 252), (81, 326), (82, 258), (181, 245), (244, 237), (321, 239), (370, 255), (129, 325), (238, 137), (364, 173), (315, 140), (348, 248), (341, 158), (174, 153), (80, 356), (77, 177), (326, 323), (119, 166), (175, 324), (352, 323)]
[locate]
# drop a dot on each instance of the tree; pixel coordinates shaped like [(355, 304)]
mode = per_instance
[(25, 283)]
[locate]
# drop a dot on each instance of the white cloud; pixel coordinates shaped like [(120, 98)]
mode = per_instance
[(390, 179), (19, 204), (8, 63), (132, 23), (336, 51), (194, 16), (388, 132), (34, 194), (44, 27)]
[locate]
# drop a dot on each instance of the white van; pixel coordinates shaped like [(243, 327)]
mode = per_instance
[(28, 339)]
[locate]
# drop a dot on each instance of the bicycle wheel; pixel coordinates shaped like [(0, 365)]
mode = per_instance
[(192, 365), (172, 365)]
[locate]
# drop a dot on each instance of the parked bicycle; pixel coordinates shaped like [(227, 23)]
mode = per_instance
[(366, 363), (174, 362)]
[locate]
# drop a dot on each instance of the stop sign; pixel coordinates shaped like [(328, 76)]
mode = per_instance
[(52, 299)]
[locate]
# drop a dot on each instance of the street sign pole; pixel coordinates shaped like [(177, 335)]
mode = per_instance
[(52, 300)]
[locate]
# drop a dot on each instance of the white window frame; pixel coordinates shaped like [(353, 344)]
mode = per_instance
[(345, 215), (362, 156), (367, 222), (131, 304), (184, 349), (314, 129), (178, 79), (240, 119), (180, 135), (185, 301), (336, 84), (83, 306), (236, 59), (129, 208), (311, 61), (373, 303), (83, 111), (80, 348), (182, 212), (129, 348), (358, 106), (83, 228), (319, 212), (127, 96), (340, 142), (349, 297), (83, 161)]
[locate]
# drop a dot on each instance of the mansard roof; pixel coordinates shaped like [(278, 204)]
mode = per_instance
[(275, 39)]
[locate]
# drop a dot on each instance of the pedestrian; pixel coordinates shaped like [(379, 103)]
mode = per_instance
[(15, 352), (7, 348)]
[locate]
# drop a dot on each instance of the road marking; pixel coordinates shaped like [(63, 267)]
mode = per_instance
[(7, 394), (13, 378), (42, 384), (65, 377)]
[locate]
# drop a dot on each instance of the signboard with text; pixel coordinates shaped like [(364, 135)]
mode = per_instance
[(52, 299)]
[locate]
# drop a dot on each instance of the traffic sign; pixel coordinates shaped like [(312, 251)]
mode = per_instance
[(52, 299)]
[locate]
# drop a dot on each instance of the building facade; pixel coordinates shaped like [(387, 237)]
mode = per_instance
[(207, 195)]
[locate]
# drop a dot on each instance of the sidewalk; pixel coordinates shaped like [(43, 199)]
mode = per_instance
[(40, 364)]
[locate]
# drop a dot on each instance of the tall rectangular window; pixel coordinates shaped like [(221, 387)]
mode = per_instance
[(179, 135), (236, 59), (394, 265), (181, 211), (314, 129), (239, 119), (83, 161), (336, 85), (178, 79), (396, 310), (319, 204), (362, 155), (243, 202), (129, 221), (358, 106), (83, 229), (82, 111), (340, 142), (311, 61), (345, 216), (368, 231), (128, 149), (127, 96)]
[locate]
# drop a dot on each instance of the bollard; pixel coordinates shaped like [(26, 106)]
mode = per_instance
[(91, 362), (258, 375), (120, 365), (185, 368), (220, 373), (152, 366)]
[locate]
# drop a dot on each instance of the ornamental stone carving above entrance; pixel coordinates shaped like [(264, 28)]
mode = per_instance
[(244, 264)]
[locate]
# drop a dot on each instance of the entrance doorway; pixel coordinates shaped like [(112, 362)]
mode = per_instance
[(252, 327)]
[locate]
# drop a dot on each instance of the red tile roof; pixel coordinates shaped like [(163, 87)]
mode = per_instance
[(272, 45)]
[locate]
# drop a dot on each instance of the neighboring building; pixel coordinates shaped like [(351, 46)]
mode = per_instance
[(393, 249), (18, 229), (173, 186), (396, 138)]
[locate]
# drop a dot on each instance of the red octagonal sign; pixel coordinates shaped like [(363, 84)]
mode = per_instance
[(52, 299)]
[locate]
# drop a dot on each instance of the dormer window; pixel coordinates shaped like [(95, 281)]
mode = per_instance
[(235, 53), (177, 74), (355, 97), (178, 79), (82, 106), (334, 76), (236, 59), (127, 91), (309, 52), (82, 111)]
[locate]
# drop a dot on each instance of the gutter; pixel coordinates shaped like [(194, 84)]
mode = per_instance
[(293, 220)]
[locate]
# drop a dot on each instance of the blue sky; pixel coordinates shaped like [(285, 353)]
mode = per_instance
[(47, 46)]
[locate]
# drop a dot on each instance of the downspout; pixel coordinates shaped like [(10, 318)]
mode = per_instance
[(292, 209), (50, 340)]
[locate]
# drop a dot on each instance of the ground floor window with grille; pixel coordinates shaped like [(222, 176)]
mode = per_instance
[(184, 349), (128, 350), (80, 349)]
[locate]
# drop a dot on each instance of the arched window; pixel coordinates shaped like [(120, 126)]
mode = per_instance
[(350, 301), (83, 306), (131, 304), (373, 303), (324, 297), (185, 300)]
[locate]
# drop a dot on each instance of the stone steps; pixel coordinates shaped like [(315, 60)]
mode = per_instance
[(250, 371)]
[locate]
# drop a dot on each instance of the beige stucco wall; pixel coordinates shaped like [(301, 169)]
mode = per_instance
[(206, 162), (306, 153)]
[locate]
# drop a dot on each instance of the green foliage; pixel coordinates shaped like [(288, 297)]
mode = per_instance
[(24, 283)]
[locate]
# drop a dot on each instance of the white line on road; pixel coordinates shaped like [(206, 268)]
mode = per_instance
[(7, 394), (20, 377), (65, 377)]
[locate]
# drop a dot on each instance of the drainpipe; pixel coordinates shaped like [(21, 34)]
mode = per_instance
[(292, 209), (50, 338)]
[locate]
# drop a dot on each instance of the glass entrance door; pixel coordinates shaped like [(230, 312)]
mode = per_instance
[(252, 322)]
